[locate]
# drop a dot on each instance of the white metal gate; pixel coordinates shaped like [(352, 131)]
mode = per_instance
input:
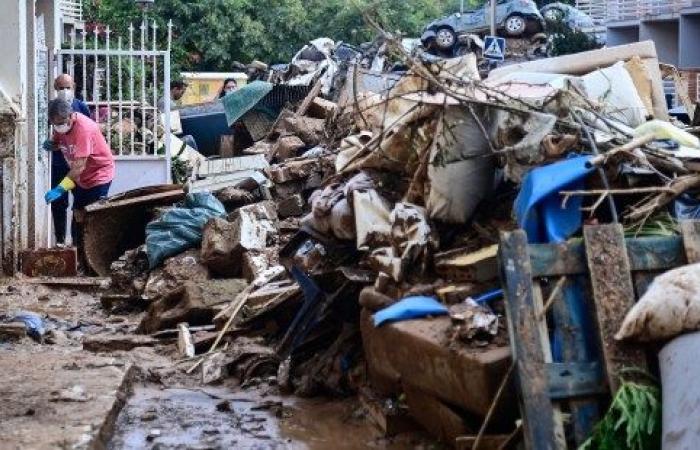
[(123, 85)]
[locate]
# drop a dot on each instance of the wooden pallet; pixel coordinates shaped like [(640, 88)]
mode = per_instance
[(609, 273)]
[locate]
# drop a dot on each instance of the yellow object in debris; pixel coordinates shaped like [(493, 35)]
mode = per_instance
[(665, 130)]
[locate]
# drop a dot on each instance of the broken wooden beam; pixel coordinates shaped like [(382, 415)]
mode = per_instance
[(613, 295), (111, 343), (14, 330), (94, 282)]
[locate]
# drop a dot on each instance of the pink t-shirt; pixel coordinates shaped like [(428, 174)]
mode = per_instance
[(84, 140)]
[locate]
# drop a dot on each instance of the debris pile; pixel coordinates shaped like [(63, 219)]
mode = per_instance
[(389, 203)]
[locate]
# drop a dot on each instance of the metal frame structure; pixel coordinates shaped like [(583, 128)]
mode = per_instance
[(142, 75), (620, 10)]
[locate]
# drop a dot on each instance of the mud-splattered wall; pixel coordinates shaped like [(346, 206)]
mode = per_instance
[(7, 135)]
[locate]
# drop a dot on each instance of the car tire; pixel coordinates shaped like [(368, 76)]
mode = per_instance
[(554, 15), (515, 25), (445, 38)]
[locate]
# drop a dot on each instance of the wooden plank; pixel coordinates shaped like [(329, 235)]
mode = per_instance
[(575, 379), (309, 98), (488, 442), (572, 326), (170, 196), (100, 282), (690, 230), (613, 296), (529, 341), (569, 258), (658, 253)]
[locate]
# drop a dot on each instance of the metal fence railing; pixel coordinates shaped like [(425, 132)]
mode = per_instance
[(123, 79), (619, 10), (597, 9), (72, 10)]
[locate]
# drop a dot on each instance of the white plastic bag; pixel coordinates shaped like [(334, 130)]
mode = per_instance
[(671, 306)]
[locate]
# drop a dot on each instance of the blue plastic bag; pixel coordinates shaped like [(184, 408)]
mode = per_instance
[(180, 228), (410, 308), (34, 324)]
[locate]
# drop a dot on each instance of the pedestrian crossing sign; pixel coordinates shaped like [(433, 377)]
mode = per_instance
[(494, 48)]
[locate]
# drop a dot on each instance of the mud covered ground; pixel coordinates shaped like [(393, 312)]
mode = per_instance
[(56, 395)]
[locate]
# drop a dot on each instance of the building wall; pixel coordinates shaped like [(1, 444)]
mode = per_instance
[(24, 77)]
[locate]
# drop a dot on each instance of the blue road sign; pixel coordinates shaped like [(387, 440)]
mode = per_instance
[(494, 48)]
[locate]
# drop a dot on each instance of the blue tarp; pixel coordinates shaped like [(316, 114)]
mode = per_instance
[(538, 205), (538, 211), (410, 308), (180, 228)]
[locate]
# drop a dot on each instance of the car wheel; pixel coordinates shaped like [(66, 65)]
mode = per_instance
[(554, 14), (515, 25), (445, 38)]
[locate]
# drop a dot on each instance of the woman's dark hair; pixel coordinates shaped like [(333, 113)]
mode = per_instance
[(222, 92)]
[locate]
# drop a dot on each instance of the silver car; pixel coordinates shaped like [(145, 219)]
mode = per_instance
[(513, 17)]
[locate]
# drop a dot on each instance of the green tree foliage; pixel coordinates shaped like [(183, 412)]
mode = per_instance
[(213, 34), (566, 41)]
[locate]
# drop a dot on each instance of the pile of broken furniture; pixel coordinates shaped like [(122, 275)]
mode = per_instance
[(423, 238)]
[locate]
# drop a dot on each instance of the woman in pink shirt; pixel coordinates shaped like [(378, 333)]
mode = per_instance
[(88, 155)]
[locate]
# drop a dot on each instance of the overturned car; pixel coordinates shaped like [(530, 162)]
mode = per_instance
[(515, 18)]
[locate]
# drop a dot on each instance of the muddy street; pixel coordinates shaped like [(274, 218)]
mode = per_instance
[(56, 394)]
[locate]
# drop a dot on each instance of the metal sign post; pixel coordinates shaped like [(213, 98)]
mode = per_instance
[(493, 17)]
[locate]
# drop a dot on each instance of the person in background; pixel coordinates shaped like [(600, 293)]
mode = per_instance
[(177, 90), (90, 160), (230, 86), (65, 90)]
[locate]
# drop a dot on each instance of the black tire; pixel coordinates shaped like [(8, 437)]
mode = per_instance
[(515, 25), (554, 14), (445, 38)]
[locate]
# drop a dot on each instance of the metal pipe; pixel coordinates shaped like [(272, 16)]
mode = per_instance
[(131, 86), (143, 88), (84, 33), (121, 97), (493, 17), (95, 86), (108, 76), (156, 116)]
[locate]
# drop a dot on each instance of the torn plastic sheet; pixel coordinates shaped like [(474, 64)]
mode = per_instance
[(519, 137), (410, 308), (372, 224), (462, 158), (538, 207)]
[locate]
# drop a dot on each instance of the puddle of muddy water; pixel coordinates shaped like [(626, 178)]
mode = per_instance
[(218, 418)]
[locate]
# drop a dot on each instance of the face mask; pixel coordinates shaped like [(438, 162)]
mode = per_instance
[(65, 94), (229, 90), (62, 129)]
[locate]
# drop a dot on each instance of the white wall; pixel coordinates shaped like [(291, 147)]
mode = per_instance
[(13, 71)]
